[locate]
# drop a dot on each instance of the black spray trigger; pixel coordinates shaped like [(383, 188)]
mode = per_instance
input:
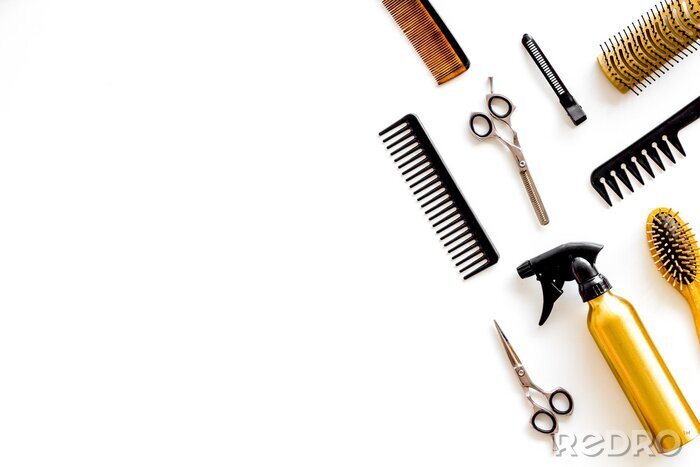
[(552, 289), (568, 262)]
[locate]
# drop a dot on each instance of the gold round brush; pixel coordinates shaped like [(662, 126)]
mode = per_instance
[(638, 55), (675, 252)]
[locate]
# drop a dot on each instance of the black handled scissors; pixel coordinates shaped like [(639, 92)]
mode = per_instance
[(483, 127), (544, 419)]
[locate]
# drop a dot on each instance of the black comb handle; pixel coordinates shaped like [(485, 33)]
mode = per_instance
[(641, 153), (573, 109)]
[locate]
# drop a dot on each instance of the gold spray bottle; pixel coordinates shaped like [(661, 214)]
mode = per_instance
[(623, 341)]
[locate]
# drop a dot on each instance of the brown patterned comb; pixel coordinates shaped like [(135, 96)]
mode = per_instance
[(430, 37)]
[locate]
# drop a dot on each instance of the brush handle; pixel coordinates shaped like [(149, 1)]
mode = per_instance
[(692, 295)]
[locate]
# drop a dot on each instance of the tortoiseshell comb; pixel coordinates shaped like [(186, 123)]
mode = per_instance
[(430, 37)]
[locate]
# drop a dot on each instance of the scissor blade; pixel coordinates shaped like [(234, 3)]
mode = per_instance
[(512, 356)]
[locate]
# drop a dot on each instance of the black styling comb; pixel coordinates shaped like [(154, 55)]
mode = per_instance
[(575, 112), (651, 146), (454, 221)]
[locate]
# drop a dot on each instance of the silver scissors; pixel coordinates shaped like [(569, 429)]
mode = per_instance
[(544, 419), (493, 103)]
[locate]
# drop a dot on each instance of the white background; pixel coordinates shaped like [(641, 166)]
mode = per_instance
[(207, 257)]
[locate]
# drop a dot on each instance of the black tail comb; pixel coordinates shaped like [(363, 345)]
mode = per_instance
[(649, 148), (447, 210)]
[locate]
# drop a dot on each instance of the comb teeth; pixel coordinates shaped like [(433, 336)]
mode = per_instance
[(645, 50), (439, 197), (638, 156), (673, 247), (430, 37)]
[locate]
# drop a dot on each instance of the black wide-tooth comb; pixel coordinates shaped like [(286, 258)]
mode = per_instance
[(650, 147), (447, 210)]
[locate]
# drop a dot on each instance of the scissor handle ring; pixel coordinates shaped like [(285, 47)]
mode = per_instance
[(567, 396), (493, 109), (546, 414), (484, 117)]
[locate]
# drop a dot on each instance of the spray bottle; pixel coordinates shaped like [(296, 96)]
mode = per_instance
[(623, 341)]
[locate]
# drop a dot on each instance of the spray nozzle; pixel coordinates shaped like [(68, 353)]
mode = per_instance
[(568, 262)]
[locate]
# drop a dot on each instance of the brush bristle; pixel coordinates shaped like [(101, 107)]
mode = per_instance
[(673, 247), (648, 48), (429, 37)]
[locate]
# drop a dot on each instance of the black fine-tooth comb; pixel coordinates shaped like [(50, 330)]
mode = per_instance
[(658, 141), (447, 210)]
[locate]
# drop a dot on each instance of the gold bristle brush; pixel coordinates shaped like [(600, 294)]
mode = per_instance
[(645, 50), (430, 37), (675, 252)]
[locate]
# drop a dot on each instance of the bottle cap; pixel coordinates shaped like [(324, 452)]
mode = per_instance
[(591, 284)]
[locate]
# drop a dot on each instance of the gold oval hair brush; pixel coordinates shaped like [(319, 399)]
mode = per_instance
[(648, 48), (675, 251)]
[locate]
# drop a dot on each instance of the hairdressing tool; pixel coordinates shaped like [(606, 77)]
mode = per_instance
[(647, 49), (650, 146), (675, 252), (430, 37), (493, 103), (622, 339), (452, 218), (575, 112), (544, 419)]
